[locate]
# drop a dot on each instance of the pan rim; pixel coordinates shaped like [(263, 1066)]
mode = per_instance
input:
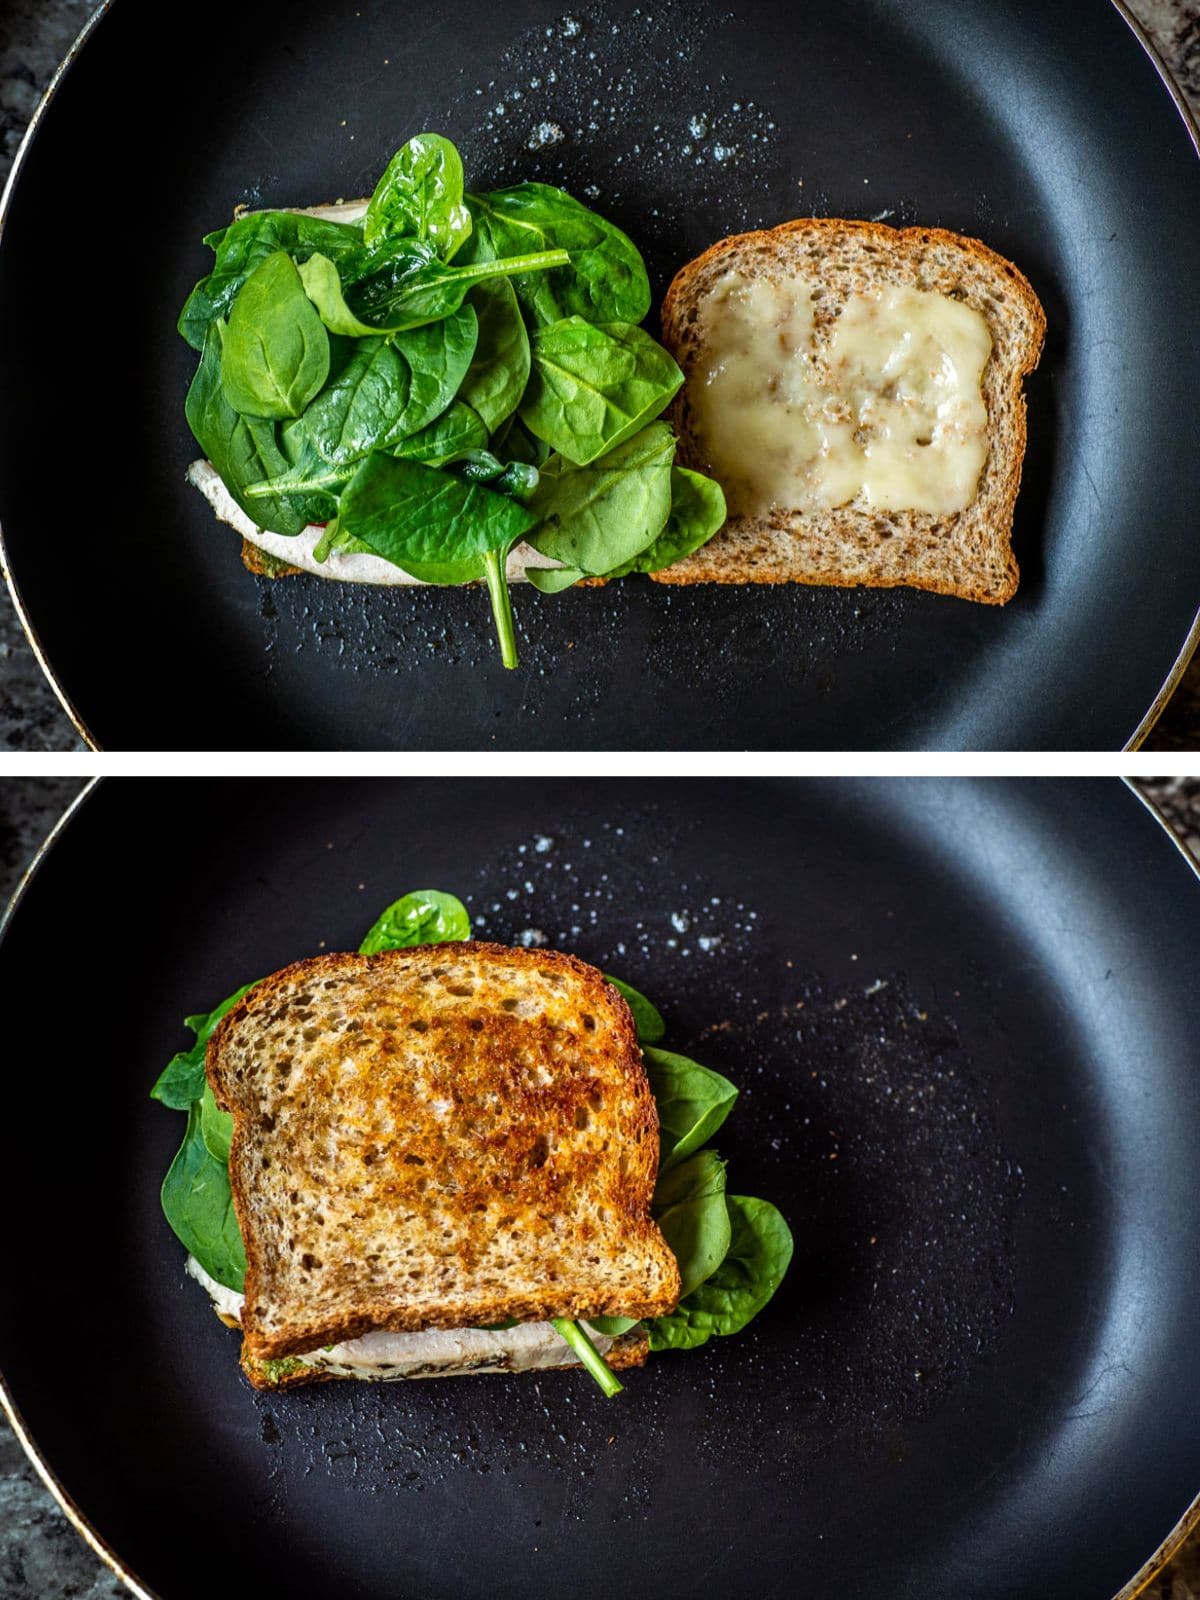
[(10, 187), (41, 1466), (1189, 1522), (1182, 661)]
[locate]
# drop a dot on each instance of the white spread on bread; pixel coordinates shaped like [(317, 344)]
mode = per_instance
[(437, 1352), (881, 406), (297, 549)]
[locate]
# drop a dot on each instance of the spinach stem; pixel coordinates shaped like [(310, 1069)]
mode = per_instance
[(497, 582), (583, 1347), (536, 261)]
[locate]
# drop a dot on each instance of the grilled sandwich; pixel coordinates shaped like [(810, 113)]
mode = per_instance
[(434, 1152)]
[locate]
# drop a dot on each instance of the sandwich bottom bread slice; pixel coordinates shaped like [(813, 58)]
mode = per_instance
[(435, 1353), (434, 1152), (856, 389)]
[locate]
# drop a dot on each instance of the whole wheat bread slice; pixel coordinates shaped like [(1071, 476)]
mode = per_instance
[(444, 1137), (967, 553)]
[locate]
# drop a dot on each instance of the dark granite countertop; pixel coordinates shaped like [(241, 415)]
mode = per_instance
[(35, 35), (41, 1555)]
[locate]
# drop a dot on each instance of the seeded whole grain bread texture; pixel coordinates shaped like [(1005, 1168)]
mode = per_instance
[(443, 1137), (968, 553)]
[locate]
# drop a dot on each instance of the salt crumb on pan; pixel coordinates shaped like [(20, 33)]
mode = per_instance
[(592, 82), (545, 133), (571, 902)]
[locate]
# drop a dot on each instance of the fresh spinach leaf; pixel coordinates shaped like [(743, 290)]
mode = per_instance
[(518, 444), (516, 478), (456, 433), (697, 511), (421, 196), (195, 1192), (438, 529), (216, 1127), (689, 1207), (692, 1101), (403, 283), (197, 1202), (244, 245), (481, 466), (426, 346), (605, 279), (519, 480), (499, 371), (182, 1080), (614, 1327), (591, 387), (439, 356), (553, 580), (276, 349), (388, 389), (595, 517), (312, 477), (647, 1019), (700, 1175), (324, 288), (334, 539), (244, 450), (760, 1250), (426, 916), (432, 525)]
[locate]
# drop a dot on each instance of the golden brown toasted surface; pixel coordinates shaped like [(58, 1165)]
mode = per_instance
[(444, 1137), (967, 553)]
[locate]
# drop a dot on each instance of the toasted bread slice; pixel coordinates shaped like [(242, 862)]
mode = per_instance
[(446, 1137), (966, 553)]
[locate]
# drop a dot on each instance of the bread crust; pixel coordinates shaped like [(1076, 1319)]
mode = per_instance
[(478, 1045), (764, 550), (264, 566)]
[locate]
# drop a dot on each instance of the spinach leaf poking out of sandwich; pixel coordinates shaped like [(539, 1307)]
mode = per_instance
[(425, 917), (732, 1250)]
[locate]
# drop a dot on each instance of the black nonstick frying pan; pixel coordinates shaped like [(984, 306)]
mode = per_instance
[(1044, 129), (963, 1017)]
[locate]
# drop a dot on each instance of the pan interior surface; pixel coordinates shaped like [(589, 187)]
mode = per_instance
[(962, 1023), (1044, 130)]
